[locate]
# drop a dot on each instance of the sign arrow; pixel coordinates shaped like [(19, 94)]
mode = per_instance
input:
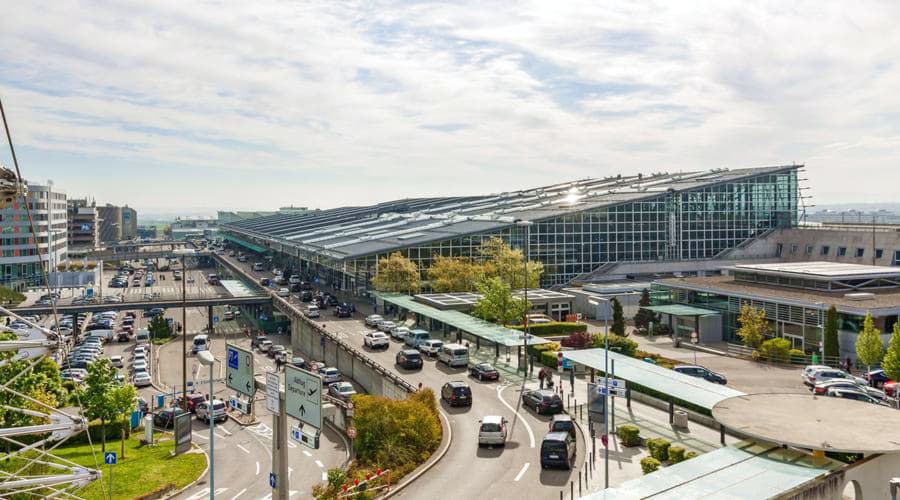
[(302, 410), (312, 391), (248, 386)]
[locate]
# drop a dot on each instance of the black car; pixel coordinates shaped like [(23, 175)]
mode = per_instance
[(342, 311), (457, 393), (165, 418), (156, 311), (331, 300), (543, 401), (306, 296), (409, 359), (877, 378), (701, 372), (295, 287), (558, 449), (484, 371), (265, 281)]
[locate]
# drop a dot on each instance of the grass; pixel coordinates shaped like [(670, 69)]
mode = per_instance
[(145, 468), (161, 341)]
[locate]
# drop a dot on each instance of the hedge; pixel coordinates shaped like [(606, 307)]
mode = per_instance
[(659, 448), (550, 359), (676, 454), (649, 464), (553, 328), (630, 435), (537, 349), (617, 343), (689, 455)]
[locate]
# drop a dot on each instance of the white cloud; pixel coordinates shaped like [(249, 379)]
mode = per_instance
[(369, 101)]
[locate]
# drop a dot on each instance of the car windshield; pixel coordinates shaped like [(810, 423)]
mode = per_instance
[(345, 388), (491, 427), (462, 391), (218, 406), (563, 425)]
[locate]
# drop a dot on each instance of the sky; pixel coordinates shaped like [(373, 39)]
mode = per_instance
[(177, 106)]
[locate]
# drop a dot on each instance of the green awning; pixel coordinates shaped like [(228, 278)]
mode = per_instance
[(682, 310), (245, 244)]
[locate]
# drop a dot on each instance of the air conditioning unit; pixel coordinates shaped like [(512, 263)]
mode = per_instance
[(859, 296)]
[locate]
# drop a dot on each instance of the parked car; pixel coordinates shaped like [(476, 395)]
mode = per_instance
[(192, 401), (854, 394), (431, 347), (492, 431), (376, 340), (274, 350), (808, 371), (218, 412), (701, 372), (484, 371), (399, 332), (123, 336), (844, 383), (312, 311), (457, 393), (330, 374), (409, 359), (306, 296), (342, 311), (542, 401), (877, 378), (256, 341), (558, 449), (140, 379), (386, 326), (165, 418), (562, 422), (341, 390), (117, 361), (265, 345), (156, 311), (298, 362), (373, 319), (283, 292), (823, 375)]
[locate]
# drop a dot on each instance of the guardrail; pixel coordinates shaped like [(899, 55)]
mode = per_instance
[(740, 351)]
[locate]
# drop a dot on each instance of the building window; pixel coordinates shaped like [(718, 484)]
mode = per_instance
[(879, 253), (842, 251), (825, 250), (896, 258), (860, 252), (793, 249), (809, 249)]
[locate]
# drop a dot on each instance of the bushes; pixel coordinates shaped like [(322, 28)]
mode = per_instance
[(649, 464), (549, 359), (776, 349), (630, 435), (676, 454), (617, 343), (536, 350), (553, 328), (689, 455), (396, 433), (659, 448)]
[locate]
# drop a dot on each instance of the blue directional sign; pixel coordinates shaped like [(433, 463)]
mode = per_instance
[(109, 458), (273, 480), (215, 319), (234, 359)]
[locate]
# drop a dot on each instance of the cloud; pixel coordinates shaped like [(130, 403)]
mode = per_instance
[(332, 103)]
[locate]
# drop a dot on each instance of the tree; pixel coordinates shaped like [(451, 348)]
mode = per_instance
[(618, 323), (777, 349), (98, 388), (644, 317), (8, 296), (396, 273), (122, 399), (501, 261), (42, 382), (754, 326), (497, 303), (891, 361), (159, 327), (454, 274), (869, 348), (832, 346)]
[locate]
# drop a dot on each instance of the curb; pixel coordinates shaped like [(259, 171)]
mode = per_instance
[(344, 438), (194, 483), (243, 424), (427, 466)]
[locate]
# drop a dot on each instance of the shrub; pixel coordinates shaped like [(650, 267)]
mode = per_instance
[(776, 349), (395, 433), (536, 350), (649, 464), (659, 448), (630, 435), (617, 343), (553, 328), (676, 454), (754, 355), (689, 455), (549, 359)]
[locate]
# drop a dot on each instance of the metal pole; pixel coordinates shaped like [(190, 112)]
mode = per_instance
[(606, 402), (110, 479), (210, 414), (280, 451), (184, 403), (612, 412)]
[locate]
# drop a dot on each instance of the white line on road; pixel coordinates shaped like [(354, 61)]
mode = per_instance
[(324, 476), (521, 418), (225, 430), (308, 454), (239, 494), (522, 472), (257, 468), (245, 450), (319, 463), (201, 436)]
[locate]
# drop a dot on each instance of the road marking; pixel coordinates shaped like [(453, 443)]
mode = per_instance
[(267, 497), (201, 436), (324, 476), (308, 454), (319, 463), (239, 494), (225, 430), (291, 445), (220, 436), (293, 492), (522, 472), (245, 450), (257, 468), (519, 415)]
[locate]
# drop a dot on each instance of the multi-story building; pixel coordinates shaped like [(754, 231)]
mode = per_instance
[(20, 266), (193, 226), (577, 228), (84, 227), (117, 223), (229, 216)]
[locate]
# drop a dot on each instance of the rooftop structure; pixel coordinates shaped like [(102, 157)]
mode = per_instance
[(464, 301)]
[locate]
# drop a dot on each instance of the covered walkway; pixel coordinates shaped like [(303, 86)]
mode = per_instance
[(245, 244)]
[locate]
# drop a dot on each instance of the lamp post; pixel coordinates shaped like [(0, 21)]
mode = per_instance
[(527, 225), (206, 358), (606, 383)]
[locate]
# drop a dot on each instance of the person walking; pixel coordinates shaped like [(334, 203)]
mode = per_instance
[(572, 379), (847, 364), (541, 376)]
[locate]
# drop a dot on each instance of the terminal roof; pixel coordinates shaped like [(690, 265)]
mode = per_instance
[(818, 270)]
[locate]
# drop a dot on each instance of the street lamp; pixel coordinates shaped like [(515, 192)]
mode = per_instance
[(594, 302), (527, 225), (206, 358)]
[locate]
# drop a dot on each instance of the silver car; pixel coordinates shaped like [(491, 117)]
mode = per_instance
[(492, 431), (386, 326)]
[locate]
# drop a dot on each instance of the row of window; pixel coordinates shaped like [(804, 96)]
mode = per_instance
[(842, 251)]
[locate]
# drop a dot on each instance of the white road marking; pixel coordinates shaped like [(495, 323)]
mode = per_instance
[(225, 430), (219, 436), (245, 450), (291, 445), (239, 494), (324, 476), (267, 497), (292, 493), (521, 418), (257, 468), (319, 463), (201, 436), (308, 454), (522, 472), (290, 472)]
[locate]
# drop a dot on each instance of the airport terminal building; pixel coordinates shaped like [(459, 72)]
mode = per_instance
[(578, 227)]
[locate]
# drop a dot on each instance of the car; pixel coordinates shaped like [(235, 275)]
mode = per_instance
[(117, 361), (219, 413), (274, 350), (854, 394), (283, 292), (153, 312), (373, 319), (139, 365), (312, 312), (823, 375), (808, 371), (492, 431), (298, 362), (331, 300), (701, 372), (330, 374), (562, 422), (431, 347), (342, 311), (399, 332), (139, 349), (558, 449), (457, 393), (282, 356), (176, 276), (165, 418), (542, 401), (295, 279), (140, 379), (123, 336), (258, 267), (409, 359), (256, 341), (844, 383), (229, 315), (192, 401), (376, 340), (484, 371), (76, 375), (877, 378), (386, 326), (341, 390), (306, 296), (265, 345), (315, 366)]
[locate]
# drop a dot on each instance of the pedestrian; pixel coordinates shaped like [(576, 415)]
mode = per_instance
[(572, 379), (847, 365), (541, 376)]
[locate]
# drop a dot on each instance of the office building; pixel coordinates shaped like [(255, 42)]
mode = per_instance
[(193, 226), (83, 227), (117, 223), (20, 266)]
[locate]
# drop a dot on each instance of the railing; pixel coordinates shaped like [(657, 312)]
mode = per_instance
[(741, 351)]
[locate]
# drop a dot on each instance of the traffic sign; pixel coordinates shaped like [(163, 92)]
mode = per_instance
[(310, 439), (273, 480), (239, 372), (612, 391), (303, 395), (109, 458), (273, 387), (615, 383), (596, 403), (215, 319)]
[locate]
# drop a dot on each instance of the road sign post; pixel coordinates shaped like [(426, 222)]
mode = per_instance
[(303, 396), (109, 458), (239, 370), (273, 387)]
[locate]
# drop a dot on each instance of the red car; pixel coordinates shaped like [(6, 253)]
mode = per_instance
[(192, 400), (890, 388), (484, 371)]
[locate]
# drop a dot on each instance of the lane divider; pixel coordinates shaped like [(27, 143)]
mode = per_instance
[(518, 415)]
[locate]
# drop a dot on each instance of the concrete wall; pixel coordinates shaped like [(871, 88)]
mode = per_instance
[(867, 479), (889, 241)]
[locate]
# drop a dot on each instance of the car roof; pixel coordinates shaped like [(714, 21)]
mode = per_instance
[(492, 419), (457, 383), (545, 392), (556, 436), (410, 351), (562, 416)]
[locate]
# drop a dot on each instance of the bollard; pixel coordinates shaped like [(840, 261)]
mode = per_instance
[(560, 495), (580, 473), (569, 401), (572, 489)]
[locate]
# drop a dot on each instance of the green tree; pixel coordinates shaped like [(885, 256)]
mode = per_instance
[(41, 382), (891, 361), (10, 297), (777, 349), (159, 327), (122, 400), (396, 273), (501, 261), (869, 348), (618, 323), (454, 274), (832, 345), (754, 326), (644, 317), (497, 303), (97, 397)]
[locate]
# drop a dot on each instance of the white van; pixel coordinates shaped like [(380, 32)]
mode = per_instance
[(143, 335), (104, 335), (201, 343), (454, 355)]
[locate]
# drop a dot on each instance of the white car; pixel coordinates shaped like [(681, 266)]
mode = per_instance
[(376, 340), (373, 319), (139, 366), (431, 347), (386, 326), (330, 375), (492, 430), (141, 379), (312, 311), (218, 411), (399, 332), (140, 350), (265, 345), (117, 361), (809, 370), (284, 292), (341, 390)]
